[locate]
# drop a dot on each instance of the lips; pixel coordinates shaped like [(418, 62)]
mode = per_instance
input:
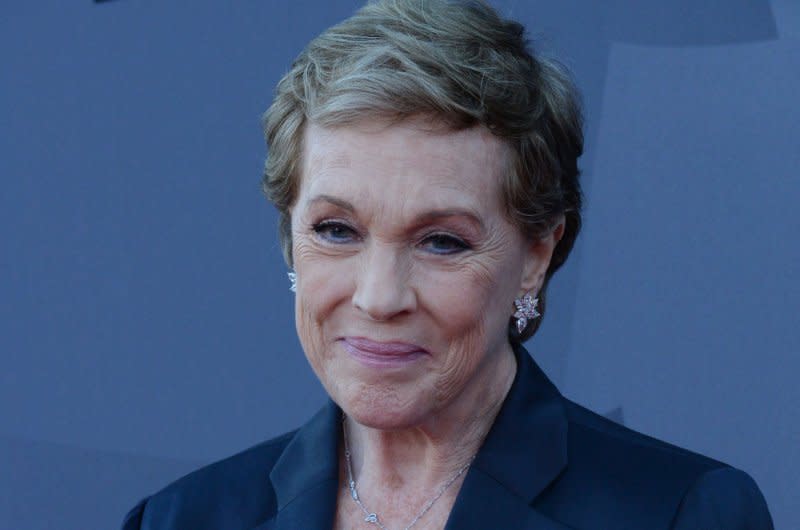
[(375, 352)]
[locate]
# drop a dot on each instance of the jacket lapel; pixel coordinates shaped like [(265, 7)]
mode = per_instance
[(485, 503), (306, 476), (524, 452)]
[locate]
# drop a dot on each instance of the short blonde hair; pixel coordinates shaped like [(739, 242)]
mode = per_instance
[(456, 61)]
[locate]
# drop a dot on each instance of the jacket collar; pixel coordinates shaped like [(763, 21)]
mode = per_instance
[(525, 450), (526, 447), (305, 477)]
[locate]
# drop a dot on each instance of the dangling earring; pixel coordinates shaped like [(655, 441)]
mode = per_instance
[(526, 311), (292, 280)]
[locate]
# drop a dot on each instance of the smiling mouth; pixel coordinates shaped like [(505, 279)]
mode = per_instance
[(382, 353)]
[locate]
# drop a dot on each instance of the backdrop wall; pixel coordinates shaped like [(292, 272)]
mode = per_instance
[(145, 316)]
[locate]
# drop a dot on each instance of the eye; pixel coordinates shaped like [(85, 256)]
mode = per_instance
[(444, 244), (335, 232)]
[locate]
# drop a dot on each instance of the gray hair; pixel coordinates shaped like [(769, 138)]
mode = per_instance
[(460, 63)]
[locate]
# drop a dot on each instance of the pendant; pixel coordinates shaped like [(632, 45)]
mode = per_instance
[(371, 518)]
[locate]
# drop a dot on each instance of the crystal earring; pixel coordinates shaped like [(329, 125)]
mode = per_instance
[(526, 311), (292, 280)]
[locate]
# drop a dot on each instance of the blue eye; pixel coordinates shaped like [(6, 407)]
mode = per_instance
[(444, 244), (335, 232)]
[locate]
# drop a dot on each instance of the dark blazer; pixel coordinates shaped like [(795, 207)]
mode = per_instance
[(546, 464)]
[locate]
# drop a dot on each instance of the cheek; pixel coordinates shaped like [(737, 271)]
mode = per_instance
[(465, 356), (476, 298), (457, 299), (322, 285), (473, 307)]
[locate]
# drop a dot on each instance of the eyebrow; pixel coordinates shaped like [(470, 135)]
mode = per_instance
[(425, 217), (341, 203), (435, 215)]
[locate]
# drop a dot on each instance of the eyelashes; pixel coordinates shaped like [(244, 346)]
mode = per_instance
[(340, 233), (335, 232), (445, 244)]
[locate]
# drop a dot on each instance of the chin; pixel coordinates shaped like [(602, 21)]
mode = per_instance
[(384, 412)]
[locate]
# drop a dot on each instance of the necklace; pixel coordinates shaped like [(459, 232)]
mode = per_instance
[(372, 517)]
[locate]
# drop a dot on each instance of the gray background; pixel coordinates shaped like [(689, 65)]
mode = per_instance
[(145, 319)]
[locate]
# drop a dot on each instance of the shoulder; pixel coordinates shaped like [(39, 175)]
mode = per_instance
[(232, 493), (723, 498), (592, 435), (618, 472)]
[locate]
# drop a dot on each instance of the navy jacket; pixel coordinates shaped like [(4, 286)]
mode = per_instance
[(546, 464)]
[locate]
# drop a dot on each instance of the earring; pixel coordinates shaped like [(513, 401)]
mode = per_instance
[(292, 280), (526, 310)]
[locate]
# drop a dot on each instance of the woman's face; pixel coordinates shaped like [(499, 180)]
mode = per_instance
[(407, 268)]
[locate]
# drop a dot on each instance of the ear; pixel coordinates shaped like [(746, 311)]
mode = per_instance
[(538, 254)]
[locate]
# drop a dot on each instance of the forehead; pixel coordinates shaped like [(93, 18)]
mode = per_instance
[(398, 161)]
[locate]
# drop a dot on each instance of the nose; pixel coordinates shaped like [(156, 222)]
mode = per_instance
[(382, 285)]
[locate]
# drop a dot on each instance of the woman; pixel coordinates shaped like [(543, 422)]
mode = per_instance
[(424, 166)]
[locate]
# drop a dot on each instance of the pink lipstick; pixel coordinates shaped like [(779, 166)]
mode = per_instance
[(382, 354)]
